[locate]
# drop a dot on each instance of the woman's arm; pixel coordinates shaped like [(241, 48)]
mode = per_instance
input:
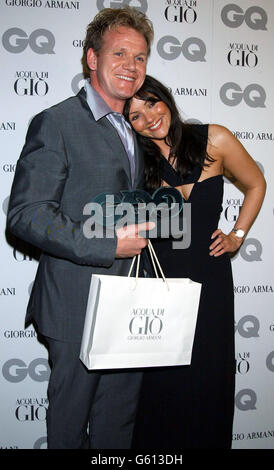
[(240, 164)]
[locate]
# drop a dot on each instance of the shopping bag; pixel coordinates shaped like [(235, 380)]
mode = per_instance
[(136, 322)]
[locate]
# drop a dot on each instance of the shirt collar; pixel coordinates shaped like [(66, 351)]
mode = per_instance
[(99, 107), (96, 103)]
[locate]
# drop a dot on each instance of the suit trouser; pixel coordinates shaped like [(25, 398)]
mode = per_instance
[(78, 398)]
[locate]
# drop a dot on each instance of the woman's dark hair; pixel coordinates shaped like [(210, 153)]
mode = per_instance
[(186, 142)]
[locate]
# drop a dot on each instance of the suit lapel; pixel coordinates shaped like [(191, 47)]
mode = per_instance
[(139, 163), (112, 138)]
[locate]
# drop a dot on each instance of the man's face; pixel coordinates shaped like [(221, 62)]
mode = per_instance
[(119, 69)]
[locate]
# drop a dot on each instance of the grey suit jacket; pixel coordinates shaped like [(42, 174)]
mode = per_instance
[(67, 160)]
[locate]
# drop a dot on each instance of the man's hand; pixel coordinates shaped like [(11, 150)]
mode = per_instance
[(130, 243)]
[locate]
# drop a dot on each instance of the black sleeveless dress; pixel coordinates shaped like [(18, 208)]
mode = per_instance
[(191, 407)]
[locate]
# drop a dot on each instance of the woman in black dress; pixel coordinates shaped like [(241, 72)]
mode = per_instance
[(192, 406)]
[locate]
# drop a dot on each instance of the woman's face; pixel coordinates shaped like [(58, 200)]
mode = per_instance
[(150, 119)]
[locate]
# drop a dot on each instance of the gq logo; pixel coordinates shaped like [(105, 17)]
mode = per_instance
[(16, 40), (77, 82), (170, 48), (246, 400), (270, 361), (41, 443), (16, 370), (248, 327), (5, 205), (233, 16), (143, 5), (253, 95), (251, 250)]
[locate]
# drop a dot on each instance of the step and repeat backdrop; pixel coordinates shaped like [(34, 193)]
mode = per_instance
[(217, 58)]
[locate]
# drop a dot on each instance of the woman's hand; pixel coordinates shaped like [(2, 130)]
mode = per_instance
[(224, 243)]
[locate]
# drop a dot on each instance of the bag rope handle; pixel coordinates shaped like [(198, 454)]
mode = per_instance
[(153, 258)]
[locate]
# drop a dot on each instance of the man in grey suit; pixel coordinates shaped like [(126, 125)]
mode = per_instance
[(74, 151)]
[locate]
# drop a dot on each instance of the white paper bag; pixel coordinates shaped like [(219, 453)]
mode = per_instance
[(139, 322)]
